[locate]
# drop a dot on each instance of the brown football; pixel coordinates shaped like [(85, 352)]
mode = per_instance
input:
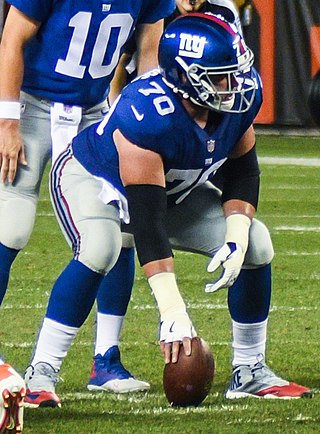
[(188, 382)]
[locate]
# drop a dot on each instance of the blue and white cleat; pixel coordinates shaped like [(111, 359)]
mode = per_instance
[(12, 393), (108, 374)]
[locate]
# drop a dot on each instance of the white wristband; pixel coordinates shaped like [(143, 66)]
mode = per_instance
[(167, 294), (9, 110), (238, 226)]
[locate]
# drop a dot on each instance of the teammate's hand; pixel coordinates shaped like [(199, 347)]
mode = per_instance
[(230, 257), (173, 331)]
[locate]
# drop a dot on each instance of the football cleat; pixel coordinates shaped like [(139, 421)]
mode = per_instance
[(258, 381), (41, 380), (108, 374), (12, 393)]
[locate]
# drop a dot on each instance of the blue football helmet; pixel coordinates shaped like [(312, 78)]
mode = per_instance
[(197, 51)]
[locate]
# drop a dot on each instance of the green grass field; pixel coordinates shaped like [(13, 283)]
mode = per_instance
[(290, 206)]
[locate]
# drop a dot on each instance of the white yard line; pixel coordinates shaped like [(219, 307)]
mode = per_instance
[(290, 161), (166, 409), (201, 306), (298, 253), (301, 229)]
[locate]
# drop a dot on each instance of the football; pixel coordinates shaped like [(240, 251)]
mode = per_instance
[(188, 382)]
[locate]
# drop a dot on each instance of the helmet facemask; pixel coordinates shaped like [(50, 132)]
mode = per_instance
[(208, 93)]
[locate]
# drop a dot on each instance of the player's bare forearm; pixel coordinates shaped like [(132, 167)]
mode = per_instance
[(148, 37), (160, 266), (17, 31), (235, 206)]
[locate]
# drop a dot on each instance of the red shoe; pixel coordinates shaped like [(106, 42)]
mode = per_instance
[(41, 399), (41, 380), (12, 393)]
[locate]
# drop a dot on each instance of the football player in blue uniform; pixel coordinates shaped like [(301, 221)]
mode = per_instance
[(147, 164), (126, 69), (56, 64), (111, 309)]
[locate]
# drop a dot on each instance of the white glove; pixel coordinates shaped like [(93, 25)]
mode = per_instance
[(230, 257), (176, 328)]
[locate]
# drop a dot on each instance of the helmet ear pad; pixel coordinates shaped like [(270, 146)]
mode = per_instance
[(205, 47)]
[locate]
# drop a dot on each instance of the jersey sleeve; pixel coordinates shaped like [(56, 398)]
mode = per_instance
[(36, 9), (146, 121)]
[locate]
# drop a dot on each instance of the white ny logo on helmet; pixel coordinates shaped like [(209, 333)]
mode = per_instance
[(191, 45)]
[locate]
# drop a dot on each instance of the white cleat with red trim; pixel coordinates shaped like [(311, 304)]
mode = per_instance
[(258, 381)]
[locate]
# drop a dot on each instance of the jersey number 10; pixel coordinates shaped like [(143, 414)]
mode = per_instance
[(72, 67)]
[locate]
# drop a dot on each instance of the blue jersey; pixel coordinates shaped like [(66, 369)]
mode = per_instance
[(151, 116), (73, 57)]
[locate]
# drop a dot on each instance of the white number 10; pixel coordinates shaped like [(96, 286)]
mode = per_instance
[(72, 67)]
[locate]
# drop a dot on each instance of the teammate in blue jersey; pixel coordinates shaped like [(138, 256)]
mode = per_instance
[(147, 164), (56, 64), (127, 67)]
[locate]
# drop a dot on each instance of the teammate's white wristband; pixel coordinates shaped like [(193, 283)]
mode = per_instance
[(238, 226), (9, 110), (167, 294)]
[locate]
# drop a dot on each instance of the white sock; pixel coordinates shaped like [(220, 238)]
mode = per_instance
[(249, 342), (108, 332), (54, 341)]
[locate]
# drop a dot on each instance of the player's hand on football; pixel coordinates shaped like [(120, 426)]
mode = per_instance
[(170, 351), (11, 149), (174, 331), (230, 257)]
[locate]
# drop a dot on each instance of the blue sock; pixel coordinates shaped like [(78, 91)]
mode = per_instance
[(115, 289), (7, 256), (249, 297), (73, 294)]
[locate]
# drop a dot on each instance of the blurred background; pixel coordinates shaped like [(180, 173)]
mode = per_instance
[(285, 38)]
